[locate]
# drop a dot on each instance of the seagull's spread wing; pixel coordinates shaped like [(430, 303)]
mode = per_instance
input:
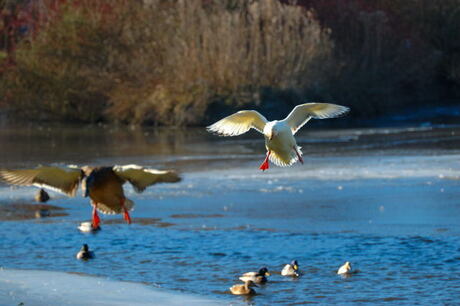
[(141, 177), (52, 178), (239, 123), (304, 112)]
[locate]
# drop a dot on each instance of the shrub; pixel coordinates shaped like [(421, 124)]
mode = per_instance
[(162, 62), (381, 63), (62, 71), (224, 51)]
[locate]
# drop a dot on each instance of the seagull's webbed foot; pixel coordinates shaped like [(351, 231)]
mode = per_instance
[(298, 155), (264, 166)]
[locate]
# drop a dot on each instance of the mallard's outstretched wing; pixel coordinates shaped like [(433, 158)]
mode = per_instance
[(141, 177), (57, 179)]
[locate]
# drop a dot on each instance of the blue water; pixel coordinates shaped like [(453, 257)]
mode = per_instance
[(385, 200)]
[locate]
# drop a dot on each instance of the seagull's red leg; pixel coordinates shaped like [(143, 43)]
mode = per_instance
[(264, 166), (298, 155), (125, 212), (96, 221)]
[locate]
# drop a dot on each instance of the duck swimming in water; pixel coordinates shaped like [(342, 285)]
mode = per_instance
[(42, 196), (87, 227), (103, 185), (244, 289), (291, 269), (259, 277), (85, 253), (345, 269)]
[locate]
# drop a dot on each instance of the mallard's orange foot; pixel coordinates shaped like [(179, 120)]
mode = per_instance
[(127, 217), (125, 212), (96, 221)]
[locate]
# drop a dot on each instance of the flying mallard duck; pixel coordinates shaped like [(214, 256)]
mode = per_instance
[(259, 277), (103, 185), (282, 149)]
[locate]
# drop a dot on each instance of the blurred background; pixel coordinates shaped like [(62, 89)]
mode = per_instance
[(186, 63)]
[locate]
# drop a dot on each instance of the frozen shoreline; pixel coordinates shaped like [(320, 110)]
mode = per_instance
[(33, 287)]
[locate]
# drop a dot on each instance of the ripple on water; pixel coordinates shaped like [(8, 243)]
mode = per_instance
[(393, 269)]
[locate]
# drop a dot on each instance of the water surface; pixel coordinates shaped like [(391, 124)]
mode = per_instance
[(384, 199)]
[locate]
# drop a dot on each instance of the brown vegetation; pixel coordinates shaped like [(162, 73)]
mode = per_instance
[(162, 62), (167, 62)]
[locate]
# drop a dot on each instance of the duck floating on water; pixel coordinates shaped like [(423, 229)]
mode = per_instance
[(259, 277), (244, 289), (42, 196), (345, 269), (87, 227), (291, 269), (85, 253), (282, 149), (103, 185)]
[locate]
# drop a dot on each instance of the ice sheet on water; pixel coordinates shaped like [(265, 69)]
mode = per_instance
[(348, 168), (247, 176), (59, 288)]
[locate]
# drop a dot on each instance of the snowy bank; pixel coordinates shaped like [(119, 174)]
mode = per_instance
[(58, 288)]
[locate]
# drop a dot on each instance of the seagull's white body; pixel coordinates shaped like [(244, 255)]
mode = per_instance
[(345, 268), (282, 149)]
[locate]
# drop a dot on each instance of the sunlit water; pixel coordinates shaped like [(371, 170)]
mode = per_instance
[(387, 200)]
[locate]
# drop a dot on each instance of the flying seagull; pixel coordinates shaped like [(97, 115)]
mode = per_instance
[(282, 149)]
